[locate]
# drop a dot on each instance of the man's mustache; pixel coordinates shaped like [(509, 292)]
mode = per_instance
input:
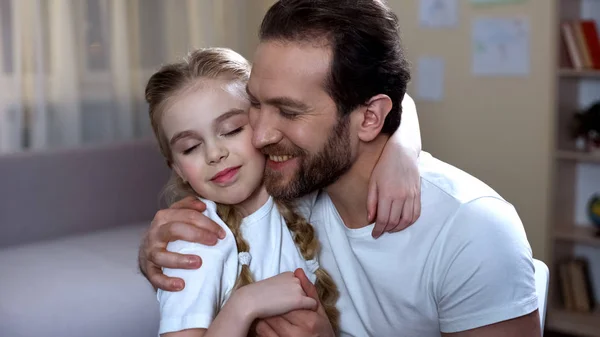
[(282, 150)]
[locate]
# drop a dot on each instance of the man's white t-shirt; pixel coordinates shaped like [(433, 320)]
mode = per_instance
[(465, 263), (272, 251)]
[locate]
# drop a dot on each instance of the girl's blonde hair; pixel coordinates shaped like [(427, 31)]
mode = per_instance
[(223, 63)]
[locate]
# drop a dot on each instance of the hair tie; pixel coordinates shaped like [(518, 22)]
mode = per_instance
[(312, 265), (244, 258)]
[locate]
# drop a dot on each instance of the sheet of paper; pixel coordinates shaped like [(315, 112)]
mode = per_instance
[(438, 13), (430, 78), (501, 46), (495, 2)]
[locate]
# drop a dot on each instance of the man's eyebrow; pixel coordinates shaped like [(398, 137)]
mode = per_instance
[(281, 101), (227, 115), (287, 102)]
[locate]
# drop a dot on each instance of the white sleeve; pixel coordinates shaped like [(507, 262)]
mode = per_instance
[(486, 272), (206, 288)]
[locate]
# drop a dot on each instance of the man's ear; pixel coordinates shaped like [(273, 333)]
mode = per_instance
[(377, 109)]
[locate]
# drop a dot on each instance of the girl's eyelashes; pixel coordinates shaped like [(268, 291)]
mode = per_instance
[(190, 149), (234, 132)]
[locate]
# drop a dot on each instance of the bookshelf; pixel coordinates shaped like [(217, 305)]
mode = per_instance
[(566, 72), (566, 234), (578, 156), (579, 324), (577, 234)]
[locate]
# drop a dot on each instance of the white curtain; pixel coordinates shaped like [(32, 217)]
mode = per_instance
[(73, 72)]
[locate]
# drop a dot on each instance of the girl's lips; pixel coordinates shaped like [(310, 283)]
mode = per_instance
[(225, 175)]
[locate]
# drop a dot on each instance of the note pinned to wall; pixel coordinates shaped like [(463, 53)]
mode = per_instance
[(501, 47), (438, 13), (430, 78), (495, 2)]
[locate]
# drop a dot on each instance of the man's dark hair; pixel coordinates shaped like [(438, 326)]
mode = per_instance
[(367, 57)]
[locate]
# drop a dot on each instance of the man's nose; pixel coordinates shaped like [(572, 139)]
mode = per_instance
[(265, 129)]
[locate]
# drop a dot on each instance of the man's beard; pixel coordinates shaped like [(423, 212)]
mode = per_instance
[(316, 171)]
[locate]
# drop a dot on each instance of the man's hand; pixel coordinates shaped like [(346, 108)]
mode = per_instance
[(182, 221), (394, 198), (298, 323)]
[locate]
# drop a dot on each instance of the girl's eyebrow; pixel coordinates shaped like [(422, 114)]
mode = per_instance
[(181, 135), (227, 115)]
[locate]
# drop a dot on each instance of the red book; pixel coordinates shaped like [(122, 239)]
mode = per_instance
[(592, 40)]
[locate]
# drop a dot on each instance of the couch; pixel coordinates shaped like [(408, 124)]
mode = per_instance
[(70, 227)]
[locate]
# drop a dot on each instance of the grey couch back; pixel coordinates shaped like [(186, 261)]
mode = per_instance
[(50, 194)]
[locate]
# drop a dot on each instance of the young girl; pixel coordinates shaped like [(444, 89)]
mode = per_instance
[(198, 110)]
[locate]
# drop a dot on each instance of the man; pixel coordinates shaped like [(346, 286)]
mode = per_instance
[(326, 91)]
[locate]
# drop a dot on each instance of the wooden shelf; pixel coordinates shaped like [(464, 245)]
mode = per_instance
[(578, 156), (581, 324), (585, 73), (579, 234), (573, 88)]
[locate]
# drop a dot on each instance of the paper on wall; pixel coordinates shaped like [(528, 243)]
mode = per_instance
[(430, 78), (495, 2), (501, 47), (438, 13)]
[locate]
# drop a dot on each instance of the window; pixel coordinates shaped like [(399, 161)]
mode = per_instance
[(96, 42), (6, 37)]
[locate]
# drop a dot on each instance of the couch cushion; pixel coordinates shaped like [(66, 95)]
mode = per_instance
[(52, 193), (86, 285)]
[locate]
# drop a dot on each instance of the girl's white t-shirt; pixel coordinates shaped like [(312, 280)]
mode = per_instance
[(272, 251)]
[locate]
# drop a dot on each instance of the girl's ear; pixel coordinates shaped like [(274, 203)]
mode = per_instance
[(175, 168)]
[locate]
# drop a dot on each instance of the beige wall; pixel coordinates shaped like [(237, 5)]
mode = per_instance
[(498, 129)]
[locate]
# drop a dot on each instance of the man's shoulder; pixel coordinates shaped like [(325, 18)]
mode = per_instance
[(465, 208), (443, 181)]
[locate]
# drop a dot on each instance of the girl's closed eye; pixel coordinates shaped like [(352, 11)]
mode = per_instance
[(190, 149), (233, 132)]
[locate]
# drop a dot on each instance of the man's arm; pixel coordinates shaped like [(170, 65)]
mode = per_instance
[(524, 326), (484, 273), (409, 133), (182, 221), (394, 204)]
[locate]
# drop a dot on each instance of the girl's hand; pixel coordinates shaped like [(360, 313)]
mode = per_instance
[(394, 198), (274, 296)]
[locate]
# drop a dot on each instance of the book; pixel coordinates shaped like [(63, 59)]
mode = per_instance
[(571, 46), (576, 289), (592, 40)]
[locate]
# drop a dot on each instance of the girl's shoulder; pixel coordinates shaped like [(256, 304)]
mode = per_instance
[(223, 248)]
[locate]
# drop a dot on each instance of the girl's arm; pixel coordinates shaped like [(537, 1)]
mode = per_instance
[(394, 199), (271, 297), (190, 311)]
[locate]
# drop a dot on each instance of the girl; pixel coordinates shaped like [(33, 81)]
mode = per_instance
[(198, 110)]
